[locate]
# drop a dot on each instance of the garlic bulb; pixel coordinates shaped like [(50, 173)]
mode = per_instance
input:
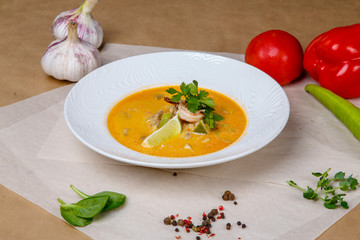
[(70, 58), (88, 28)]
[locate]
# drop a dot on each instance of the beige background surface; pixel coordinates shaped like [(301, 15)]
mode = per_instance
[(213, 25)]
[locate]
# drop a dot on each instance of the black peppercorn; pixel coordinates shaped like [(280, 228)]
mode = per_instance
[(214, 211), (204, 218), (228, 226), (198, 238), (238, 223), (174, 174), (235, 203), (210, 215), (174, 223), (225, 197), (243, 226), (176, 230)]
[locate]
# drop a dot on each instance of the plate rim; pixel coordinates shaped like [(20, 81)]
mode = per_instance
[(175, 165)]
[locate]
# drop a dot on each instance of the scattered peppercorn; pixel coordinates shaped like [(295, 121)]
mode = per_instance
[(204, 217), (210, 215), (198, 238), (214, 211), (238, 223), (243, 226), (177, 230), (181, 222), (167, 221), (174, 223), (235, 203), (228, 226), (213, 219), (228, 195), (195, 229)]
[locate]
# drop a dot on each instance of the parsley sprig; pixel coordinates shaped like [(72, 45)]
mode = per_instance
[(196, 100), (328, 194)]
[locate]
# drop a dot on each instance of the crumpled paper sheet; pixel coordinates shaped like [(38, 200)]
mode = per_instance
[(40, 158)]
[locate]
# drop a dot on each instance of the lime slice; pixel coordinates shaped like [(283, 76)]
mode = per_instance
[(201, 128), (165, 118), (170, 130)]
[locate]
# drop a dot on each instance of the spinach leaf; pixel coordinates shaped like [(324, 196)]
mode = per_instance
[(88, 207), (69, 215), (115, 199)]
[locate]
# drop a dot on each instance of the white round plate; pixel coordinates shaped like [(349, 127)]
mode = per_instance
[(91, 99)]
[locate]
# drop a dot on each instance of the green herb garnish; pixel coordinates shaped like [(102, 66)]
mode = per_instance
[(196, 100), (326, 192), (82, 213)]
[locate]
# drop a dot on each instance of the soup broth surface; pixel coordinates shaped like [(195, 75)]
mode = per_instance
[(128, 123)]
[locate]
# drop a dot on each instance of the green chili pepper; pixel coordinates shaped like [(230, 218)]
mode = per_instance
[(345, 111)]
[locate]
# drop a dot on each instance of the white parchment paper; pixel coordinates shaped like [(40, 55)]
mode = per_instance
[(40, 158)]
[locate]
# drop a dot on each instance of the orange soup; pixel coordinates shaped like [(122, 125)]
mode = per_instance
[(129, 123)]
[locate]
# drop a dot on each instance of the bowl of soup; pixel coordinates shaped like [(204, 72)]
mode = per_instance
[(111, 109)]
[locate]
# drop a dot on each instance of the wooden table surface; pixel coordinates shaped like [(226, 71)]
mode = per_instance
[(206, 25)]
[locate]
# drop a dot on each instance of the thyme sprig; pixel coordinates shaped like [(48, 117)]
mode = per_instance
[(196, 100), (325, 190)]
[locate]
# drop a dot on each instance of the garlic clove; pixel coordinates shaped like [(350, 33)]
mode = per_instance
[(88, 28), (71, 58)]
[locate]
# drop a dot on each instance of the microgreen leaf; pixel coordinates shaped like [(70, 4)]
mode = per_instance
[(310, 194), (326, 185), (292, 183), (330, 205), (344, 186), (339, 176), (317, 174), (344, 204), (353, 182)]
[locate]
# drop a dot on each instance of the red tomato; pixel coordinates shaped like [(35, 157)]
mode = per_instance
[(277, 53)]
